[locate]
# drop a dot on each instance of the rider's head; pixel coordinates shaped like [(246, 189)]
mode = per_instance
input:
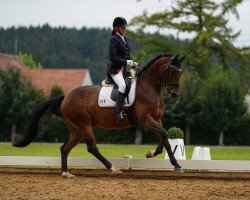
[(119, 25)]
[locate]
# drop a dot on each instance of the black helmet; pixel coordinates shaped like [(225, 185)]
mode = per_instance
[(119, 21)]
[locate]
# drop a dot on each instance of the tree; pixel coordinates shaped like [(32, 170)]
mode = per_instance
[(212, 40), (17, 98), (189, 105), (56, 91), (28, 60), (245, 70), (61, 47), (53, 128), (149, 45), (223, 101), (210, 43)]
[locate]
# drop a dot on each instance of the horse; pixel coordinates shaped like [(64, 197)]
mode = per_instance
[(81, 112)]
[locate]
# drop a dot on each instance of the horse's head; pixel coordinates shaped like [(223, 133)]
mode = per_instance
[(164, 71), (172, 75)]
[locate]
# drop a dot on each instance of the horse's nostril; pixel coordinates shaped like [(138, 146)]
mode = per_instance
[(173, 95)]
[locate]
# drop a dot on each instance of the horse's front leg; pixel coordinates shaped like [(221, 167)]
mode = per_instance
[(153, 153), (159, 149), (156, 128)]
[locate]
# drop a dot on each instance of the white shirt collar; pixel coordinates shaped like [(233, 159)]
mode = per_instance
[(120, 35)]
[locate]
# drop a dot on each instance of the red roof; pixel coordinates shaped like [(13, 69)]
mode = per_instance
[(45, 79), (8, 61)]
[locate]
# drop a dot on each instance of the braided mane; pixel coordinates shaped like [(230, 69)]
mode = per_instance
[(156, 58)]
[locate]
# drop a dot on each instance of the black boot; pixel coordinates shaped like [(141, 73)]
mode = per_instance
[(120, 114)]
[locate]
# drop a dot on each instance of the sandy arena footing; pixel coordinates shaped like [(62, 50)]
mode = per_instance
[(135, 184)]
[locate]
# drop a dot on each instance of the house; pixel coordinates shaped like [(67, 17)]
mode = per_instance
[(10, 62), (45, 79), (247, 101), (67, 79)]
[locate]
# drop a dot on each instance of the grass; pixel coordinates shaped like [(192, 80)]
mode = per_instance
[(117, 151)]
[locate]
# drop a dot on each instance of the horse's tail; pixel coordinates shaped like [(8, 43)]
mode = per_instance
[(22, 140)]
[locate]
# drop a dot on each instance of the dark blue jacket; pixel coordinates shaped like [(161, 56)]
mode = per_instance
[(118, 54)]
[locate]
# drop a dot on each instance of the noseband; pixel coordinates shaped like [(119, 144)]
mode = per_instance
[(163, 81)]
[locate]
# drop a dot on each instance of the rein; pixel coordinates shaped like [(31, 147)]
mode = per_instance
[(160, 81)]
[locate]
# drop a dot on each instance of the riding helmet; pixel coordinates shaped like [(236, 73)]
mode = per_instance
[(119, 21)]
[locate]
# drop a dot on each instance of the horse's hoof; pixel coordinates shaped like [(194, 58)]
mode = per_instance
[(67, 175), (150, 154), (115, 171), (179, 170)]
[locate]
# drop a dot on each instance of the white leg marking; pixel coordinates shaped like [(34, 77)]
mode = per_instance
[(115, 170), (150, 154), (67, 175)]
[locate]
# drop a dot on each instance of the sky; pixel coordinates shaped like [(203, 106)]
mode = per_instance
[(97, 13)]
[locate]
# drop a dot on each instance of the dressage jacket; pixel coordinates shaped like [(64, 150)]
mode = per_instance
[(118, 54)]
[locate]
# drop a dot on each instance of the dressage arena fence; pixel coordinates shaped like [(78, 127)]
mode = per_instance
[(128, 163)]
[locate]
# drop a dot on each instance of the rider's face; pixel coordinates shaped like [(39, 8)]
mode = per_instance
[(122, 30)]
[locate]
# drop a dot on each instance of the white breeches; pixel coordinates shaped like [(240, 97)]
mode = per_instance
[(119, 80)]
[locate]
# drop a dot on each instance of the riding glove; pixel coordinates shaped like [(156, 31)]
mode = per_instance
[(130, 63), (135, 66)]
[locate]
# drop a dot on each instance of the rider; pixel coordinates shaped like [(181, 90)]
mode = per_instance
[(119, 58)]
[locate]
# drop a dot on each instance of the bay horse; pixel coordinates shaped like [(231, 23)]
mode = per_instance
[(81, 112)]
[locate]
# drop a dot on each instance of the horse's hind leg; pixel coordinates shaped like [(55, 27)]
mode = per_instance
[(71, 142), (92, 148)]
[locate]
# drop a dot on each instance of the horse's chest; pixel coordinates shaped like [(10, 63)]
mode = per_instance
[(159, 109), (159, 113)]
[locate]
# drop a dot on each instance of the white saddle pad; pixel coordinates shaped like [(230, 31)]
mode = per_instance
[(104, 99)]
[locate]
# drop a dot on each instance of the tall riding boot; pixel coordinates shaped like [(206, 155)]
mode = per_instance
[(120, 114)]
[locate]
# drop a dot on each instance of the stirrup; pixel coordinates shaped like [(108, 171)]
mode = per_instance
[(121, 116)]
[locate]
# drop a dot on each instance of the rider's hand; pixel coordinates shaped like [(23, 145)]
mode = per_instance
[(135, 65), (130, 63)]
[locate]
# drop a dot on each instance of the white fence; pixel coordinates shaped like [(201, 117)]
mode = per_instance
[(127, 162)]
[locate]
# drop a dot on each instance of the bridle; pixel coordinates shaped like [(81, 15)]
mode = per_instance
[(163, 80)]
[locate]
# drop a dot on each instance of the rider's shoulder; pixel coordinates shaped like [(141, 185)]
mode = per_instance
[(115, 37)]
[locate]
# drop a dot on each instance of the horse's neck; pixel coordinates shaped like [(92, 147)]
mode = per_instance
[(155, 69), (149, 80)]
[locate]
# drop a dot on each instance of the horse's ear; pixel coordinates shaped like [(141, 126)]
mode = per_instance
[(182, 58), (174, 59)]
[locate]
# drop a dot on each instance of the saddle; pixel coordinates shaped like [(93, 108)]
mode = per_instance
[(114, 93), (109, 91)]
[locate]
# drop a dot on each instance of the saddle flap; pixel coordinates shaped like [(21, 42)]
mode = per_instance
[(115, 91)]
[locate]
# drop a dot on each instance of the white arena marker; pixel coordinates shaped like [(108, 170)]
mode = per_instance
[(201, 153), (205, 154), (127, 159), (195, 154), (178, 148)]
